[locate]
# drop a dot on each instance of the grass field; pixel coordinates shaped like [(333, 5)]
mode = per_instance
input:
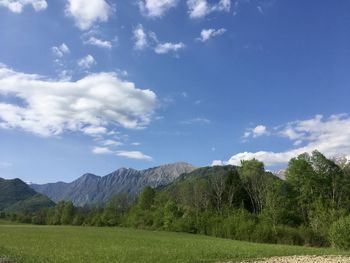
[(29, 244)]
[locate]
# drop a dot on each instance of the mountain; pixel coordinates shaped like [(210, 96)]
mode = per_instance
[(17, 196), (93, 189)]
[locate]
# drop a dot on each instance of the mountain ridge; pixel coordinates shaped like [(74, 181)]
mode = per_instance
[(93, 189)]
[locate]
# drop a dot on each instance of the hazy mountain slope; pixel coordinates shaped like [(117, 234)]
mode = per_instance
[(15, 195), (92, 189)]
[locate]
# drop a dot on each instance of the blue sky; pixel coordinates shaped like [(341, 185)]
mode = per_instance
[(91, 86)]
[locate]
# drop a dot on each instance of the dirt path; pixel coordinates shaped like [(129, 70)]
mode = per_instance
[(304, 259)]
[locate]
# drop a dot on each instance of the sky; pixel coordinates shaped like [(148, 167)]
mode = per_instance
[(95, 85)]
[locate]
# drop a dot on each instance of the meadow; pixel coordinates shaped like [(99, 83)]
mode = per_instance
[(33, 244)]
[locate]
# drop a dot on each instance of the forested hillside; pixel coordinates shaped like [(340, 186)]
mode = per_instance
[(17, 196)]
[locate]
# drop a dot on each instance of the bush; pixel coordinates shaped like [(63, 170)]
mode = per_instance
[(339, 233)]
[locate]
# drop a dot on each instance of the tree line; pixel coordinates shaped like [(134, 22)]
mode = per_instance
[(310, 207)]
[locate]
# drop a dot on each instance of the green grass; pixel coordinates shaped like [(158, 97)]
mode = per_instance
[(29, 244)]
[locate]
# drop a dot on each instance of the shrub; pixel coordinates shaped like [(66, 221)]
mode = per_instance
[(339, 233)]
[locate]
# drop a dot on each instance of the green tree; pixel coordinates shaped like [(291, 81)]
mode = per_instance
[(146, 198), (252, 174), (67, 213)]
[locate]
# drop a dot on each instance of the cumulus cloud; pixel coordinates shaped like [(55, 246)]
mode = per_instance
[(91, 105), (164, 48), (140, 37), (16, 6), (86, 62), (156, 8), (88, 12), (134, 155), (207, 34), (201, 8), (99, 42), (330, 136), (256, 132), (61, 50), (101, 150)]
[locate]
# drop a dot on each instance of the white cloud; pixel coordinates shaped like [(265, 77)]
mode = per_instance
[(94, 130), (156, 8), (331, 136), (140, 37), (196, 121), (61, 50), (101, 150), (201, 8), (259, 131), (86, 62), (134, 155), (90, 105), (111, 143), (256, 132), (144, 40), (99, 42), (207, 34), (164, 48), (135, 144), (88, 12), (16, 6)]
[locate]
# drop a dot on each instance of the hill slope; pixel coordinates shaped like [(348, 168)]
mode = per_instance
[(17, 196), (93, 189)]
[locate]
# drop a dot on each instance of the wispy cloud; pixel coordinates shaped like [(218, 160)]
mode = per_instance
[(156, 8), (140, 37), (145, 40), (101, 150), (61, 50), (196, 121), (86, 62), (99, 42), (207, 34), (164, 48), (134, 155), (111, 143), (201, 8)]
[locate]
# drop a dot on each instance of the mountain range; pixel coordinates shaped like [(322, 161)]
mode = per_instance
[(92, 189)]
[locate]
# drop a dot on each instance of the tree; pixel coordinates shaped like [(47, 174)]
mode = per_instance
[(110, 215), (252, 174), (146, 198), (232, 187), (303, 180), (218, 185), (201, 195), (67, 213)]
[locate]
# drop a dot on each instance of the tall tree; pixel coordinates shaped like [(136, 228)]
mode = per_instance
[(252, 174)]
